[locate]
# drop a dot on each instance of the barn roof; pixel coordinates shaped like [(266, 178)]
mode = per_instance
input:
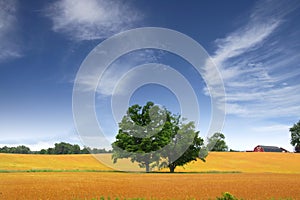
[(270, 148)]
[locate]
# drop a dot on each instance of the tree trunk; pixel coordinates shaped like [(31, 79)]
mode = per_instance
[(147, 167), (172, 168)]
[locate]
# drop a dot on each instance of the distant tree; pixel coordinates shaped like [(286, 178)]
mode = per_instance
[(59, 148), (43, 151), (295, 136), (85, 150), (4, 149), (22, 149), (12, 150), (217, 142), (50, 151), (75, 149), (19, 149), (141, 135), (63, 148)]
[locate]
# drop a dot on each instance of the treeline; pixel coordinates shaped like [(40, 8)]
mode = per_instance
[(19, 149), (59, 148)]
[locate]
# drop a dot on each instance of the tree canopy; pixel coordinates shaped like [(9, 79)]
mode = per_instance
[(141, 134), (19, 149), (295, 136), (150, 134), (217, 142), (67, 148), (185, 145), (59, 148)]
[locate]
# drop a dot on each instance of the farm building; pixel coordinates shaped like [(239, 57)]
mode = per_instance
[(262, 148)]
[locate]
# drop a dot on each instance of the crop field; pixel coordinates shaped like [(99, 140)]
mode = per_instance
[(261, 176), (249, 162), (88, 185), (51, 162)]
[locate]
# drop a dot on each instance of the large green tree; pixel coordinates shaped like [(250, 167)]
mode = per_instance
[(295, 136), (142, 132), (217, 142), (151, 135)]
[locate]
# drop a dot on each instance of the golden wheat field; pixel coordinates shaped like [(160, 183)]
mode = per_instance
[(263, 176), (249, 162), (88, 185)]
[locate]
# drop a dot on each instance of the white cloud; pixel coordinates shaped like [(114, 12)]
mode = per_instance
[(91, 19), (276, 128), (115, 72), (8, 23), (243, 40), (259, 66)]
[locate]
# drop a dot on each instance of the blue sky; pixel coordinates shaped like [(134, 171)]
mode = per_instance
[(254, 44)]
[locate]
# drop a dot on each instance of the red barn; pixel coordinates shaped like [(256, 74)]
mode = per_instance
[(262, 148)]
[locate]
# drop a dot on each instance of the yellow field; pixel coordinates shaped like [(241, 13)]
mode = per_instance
[(265, 176), (53, 162), (250, 162), (216, 161), (88, 185)]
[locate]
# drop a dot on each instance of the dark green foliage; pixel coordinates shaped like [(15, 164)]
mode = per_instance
[(217, 142), (190, 154), (295, 136), (152, 136), (63, 148), (66, 148), (50, 151), (43, 151), (76, 149), (59, 148), (141, 134), (19, 149), (227, 196), (85, 150), (182, 134)]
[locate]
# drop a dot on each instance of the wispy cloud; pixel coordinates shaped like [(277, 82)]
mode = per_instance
[(243, 40), (8, 23), (108, 81), (259, 63), (278, 128), (91, 19)]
